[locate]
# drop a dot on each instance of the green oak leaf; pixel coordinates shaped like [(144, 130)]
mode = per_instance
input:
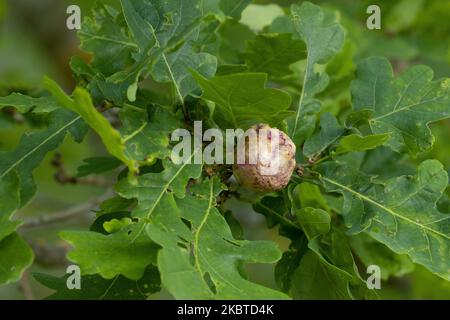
[(148, 38), (127, 252), (283, 24), (115, 204), (305, 195), (336, 247), (328, 271), (179, 63), (15, 257), (83, 105), (329, 254), (83, 73), (316, 278), (228, 69), (115, 65), (242, 100), (225, 8), (233, 8), (372, 252), (217, 253), (111, 222), (17, 186), (10, 195), (358, 143), (159, 22), (164, 205), (232, 41), (156, 194), (273, 54), (276, 212), (383, 162), (123, 83), (95, 287), (169, 27), (401, 213), (329, 132), (402, 106), (97, 165), (33, 147), (208, 38), (105, 36), (146, 133), (324, 37), (153, 189), (115, 225), (314, 222), (341, 69), (289, 262), (235, 226), (24, 104), (211, 6)]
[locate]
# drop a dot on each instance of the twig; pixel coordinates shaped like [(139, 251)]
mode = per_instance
[(24, 286), (50, 255), (65, 215)]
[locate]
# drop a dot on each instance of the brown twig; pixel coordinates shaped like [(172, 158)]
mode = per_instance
[(24, 286), (48, 254), (66, 215)]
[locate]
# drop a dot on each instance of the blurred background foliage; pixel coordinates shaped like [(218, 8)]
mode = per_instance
[(34, 41)]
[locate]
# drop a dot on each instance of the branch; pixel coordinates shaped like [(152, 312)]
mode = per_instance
[(24, 286), (50, 255), (65, 215)]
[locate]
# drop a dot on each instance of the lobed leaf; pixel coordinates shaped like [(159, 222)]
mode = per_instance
[(358, 143), (401, 213), (402, 107), (168, 28), (127, 252), (329, 132), (372, 252), (83, 105), (199, 273), (216, 251), (96, 288), (15, 257), (273, 54), (24, 104), (242, 100), (146, 132), (324, 37)]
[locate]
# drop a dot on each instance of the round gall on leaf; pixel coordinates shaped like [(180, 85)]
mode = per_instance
[(269, 159)]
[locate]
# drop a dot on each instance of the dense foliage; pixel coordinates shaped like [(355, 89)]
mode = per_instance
[(367, 190)]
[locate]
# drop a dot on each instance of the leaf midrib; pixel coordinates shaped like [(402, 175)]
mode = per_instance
[(406, 108), (106, 39), (18, 162), (302, 96), (201, 225), (163, 190), (389, 210), (197, 240), (236, 7)]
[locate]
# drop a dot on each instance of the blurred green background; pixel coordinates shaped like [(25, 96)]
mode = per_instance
[(34, 41)]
